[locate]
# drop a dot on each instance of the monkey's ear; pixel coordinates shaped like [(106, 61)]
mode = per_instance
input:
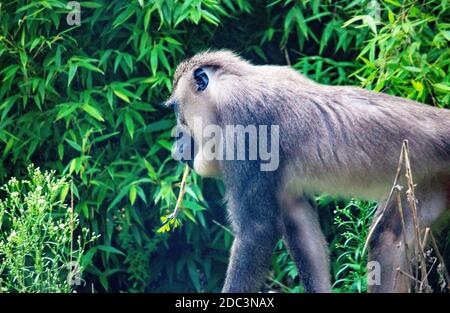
[(201, 79)]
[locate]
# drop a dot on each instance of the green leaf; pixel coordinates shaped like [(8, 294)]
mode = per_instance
[(412, 69), (72, 71), (90, 67), (73, 144), (194, 275), (91, 4), (194, 206), (159, 125), (442, 87), (132, 194), (353, 19), (119, 197), (125, 15), (129, 123), (23, 58), (151, 171), (210, 18), (104, 137), (10, 72), (154, 60), (66, 109), (163, 229), (61, 151), (92, 112), (110, 249), (121, 95)]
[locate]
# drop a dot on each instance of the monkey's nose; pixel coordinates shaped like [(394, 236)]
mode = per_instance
[(172, 104), (176, 108), (168, 104)]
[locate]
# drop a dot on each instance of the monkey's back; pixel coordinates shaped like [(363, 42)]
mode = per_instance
[(349, 139)]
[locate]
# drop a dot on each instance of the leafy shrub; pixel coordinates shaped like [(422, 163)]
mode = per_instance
[(353, 222), (407, 54), (39, 248)]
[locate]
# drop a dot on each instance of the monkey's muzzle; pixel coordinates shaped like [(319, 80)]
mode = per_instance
[(184, 148)]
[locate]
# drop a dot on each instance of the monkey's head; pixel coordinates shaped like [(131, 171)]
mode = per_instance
[(200, 85)]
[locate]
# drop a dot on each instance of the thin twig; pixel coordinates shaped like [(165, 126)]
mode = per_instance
[(402, 218), (375, 224), (424, 281), (407, 275), (71, 223), (286, 55), (223, 227), (425, 237), (419, 258), (176, 211), (413, 206), (441, 259)]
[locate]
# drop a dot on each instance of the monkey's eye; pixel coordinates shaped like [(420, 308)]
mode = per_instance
[(201, 79)]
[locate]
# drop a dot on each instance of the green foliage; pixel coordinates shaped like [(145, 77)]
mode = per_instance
[(407, 54), (37, 239), (84, 100), (353, 223), (284, 276), (347, 234)]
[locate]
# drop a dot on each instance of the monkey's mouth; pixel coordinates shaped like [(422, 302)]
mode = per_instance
[(189, 162)]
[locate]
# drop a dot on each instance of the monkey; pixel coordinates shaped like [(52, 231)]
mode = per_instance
[(344, 141)]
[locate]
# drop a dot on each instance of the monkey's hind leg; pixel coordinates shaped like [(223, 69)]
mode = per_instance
[(387, 250), (307, 244), (387, 245)]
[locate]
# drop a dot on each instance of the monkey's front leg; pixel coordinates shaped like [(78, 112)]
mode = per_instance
[(256, 233), (250, 257)]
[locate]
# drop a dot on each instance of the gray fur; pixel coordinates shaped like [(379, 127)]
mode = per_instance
[(344, 141)]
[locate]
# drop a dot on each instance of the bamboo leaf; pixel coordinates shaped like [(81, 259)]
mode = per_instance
[(92, 111)]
